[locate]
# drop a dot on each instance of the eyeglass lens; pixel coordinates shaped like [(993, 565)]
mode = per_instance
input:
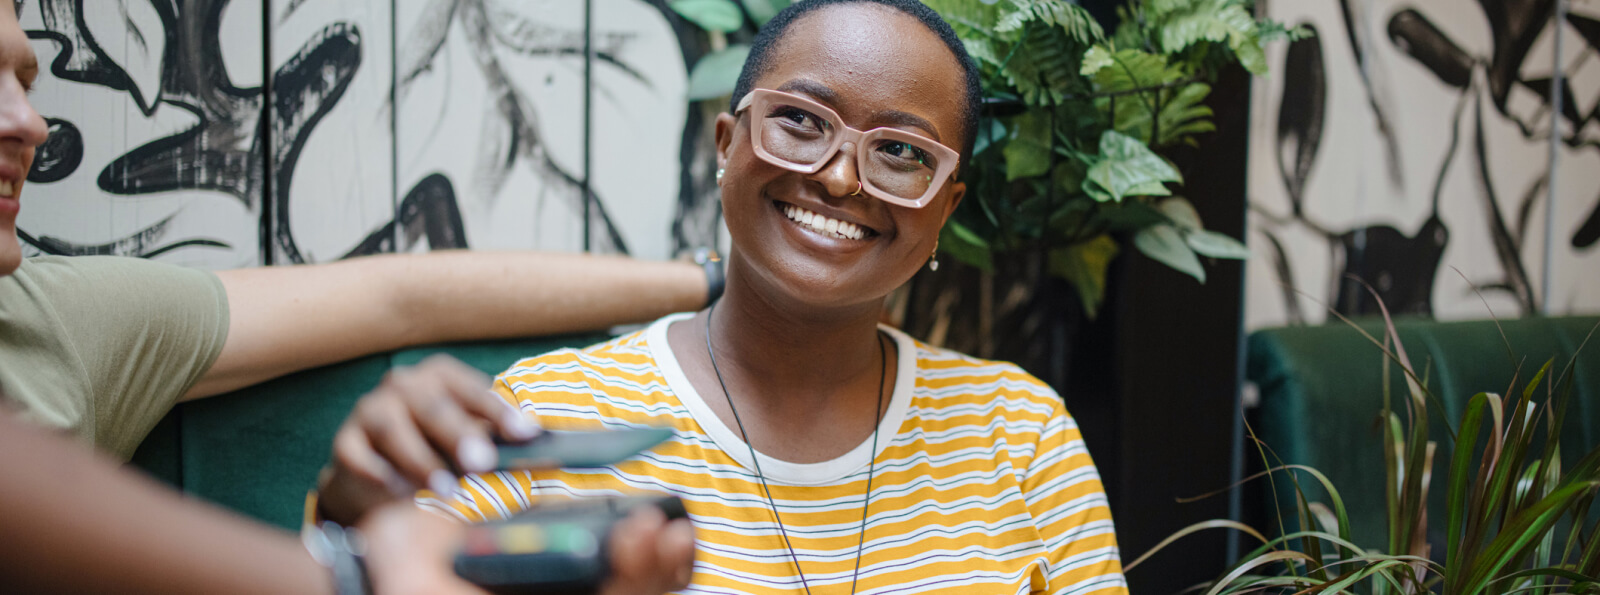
[(900, 168)]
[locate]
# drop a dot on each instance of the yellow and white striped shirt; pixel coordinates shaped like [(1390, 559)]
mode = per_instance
[(982, 482)]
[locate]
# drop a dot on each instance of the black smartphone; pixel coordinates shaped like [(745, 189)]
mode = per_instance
[(579, 449)]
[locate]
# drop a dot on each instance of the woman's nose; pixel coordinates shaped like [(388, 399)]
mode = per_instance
[(839, 176)]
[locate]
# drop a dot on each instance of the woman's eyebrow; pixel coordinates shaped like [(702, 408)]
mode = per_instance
[(827, 95), (900, 118), (813, 88)]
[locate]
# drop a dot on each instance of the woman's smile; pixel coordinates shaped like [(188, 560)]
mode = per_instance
[(830, 227)]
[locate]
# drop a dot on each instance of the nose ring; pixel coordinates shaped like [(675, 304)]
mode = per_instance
[(858, 189)]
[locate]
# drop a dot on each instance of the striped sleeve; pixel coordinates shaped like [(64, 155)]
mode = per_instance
[(1070, 509)]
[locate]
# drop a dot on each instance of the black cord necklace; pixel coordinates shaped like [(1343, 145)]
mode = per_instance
[(872, 457)]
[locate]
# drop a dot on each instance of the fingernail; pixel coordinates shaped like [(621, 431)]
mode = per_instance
[(475, 454), (519, 427), (442, 484)]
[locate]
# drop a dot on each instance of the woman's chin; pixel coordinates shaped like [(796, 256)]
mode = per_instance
[(822, 286)]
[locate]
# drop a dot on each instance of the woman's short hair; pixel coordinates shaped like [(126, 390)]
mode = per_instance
[(761, 61)]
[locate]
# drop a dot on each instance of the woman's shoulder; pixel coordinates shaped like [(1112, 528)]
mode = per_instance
[(614, 383), (948, 374), (625, 354)]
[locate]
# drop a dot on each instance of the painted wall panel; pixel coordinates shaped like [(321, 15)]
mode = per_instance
[(153, 151), (332, 137), (1407, 141), (639, 125), (491, 101), (382, 125)]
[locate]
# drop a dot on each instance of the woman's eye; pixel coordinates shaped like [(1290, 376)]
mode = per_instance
[(799, 118), (904, 151)]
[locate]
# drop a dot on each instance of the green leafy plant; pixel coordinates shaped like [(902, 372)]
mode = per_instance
[(1518, 519), (1068, 162), (1070, 165)]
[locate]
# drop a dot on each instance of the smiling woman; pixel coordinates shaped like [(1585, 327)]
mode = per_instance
[(814, 447)]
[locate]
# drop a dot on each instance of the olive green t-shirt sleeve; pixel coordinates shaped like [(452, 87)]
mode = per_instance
[(145, 333)]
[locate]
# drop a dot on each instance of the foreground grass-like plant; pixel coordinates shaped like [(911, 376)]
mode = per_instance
[(1505, 504)]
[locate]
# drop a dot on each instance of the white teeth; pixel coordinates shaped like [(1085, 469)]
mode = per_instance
[(7, 187), (824, 225)]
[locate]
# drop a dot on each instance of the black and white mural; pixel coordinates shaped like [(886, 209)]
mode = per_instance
[(1409, 139), (226, 133)]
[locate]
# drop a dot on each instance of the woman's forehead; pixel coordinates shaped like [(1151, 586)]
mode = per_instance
[(874, 59)]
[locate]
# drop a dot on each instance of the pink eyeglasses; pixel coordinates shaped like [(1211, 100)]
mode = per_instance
[(801, 135)]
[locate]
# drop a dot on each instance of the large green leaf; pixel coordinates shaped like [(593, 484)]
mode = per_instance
[(1076, 22), (1084, 264), (1097, 193), (1096, 58), (763, 10), (1128, 168), (1129, 215), (1134, 69), (971, 19), (1212, 20), (982, 50), (1183, 114), (1251, 57), (1155, 9), (715, 74), (1216, 245), (711, 15), (1165, 244), (1217, 21), (1180, 212), (1042, 65), (1028, 152)]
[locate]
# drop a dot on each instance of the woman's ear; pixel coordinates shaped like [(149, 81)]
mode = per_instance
[(726, 122), (958, 191)]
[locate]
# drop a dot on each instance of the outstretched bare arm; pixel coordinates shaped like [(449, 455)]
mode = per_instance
[(286, 319)]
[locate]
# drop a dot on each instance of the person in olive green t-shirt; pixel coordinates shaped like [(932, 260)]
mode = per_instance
[(104, 346)]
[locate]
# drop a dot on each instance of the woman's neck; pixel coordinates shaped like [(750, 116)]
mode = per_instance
[(802, 348)]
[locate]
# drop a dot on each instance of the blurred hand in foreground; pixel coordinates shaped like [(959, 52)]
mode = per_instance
[(410, 551), (422, 426)]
